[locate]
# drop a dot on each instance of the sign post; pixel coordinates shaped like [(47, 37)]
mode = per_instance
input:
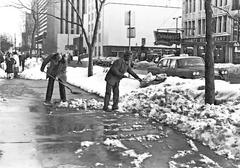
[(131, 32)]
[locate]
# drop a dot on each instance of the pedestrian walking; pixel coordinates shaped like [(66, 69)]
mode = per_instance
[(56, 69), (16, 65), (79, 59), (10, 61), (113, 77)]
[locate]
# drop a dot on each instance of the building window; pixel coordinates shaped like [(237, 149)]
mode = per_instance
[(216, 2), (220, 3), (95, 51), (194, 5), (199, 27), (186, 29), (204, 26), (99, 24), (78, 9), (224, 23), (200, 5), (99, 37), (72, 18), (220, 24), (61, 20), (190, 6), (214, 23), (193, 28), (235, 4), (186, 6), (99, 50), (225, 2), (190, 28), (66, 24)]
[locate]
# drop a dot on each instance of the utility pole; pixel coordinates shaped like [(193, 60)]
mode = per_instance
[(15, 42), (209, 59), (129, 29)]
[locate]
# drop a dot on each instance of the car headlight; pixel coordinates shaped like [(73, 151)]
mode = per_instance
[(224, 72), (196, 73)]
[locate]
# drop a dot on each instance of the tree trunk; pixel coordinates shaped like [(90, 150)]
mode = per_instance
[(209, 59), (90, 61)]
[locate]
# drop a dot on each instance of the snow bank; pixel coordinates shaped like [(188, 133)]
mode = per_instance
[(180, 104), (32, 70)]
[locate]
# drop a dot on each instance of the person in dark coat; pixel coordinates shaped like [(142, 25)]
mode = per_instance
[(113, 77), (10, 61), (56, 69)]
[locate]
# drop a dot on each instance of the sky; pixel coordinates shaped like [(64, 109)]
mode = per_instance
[(11, 19)]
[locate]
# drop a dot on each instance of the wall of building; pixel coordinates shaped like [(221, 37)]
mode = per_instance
[(223, 26), (149, 16)]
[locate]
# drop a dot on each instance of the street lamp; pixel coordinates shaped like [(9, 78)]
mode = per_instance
[(176, 18)]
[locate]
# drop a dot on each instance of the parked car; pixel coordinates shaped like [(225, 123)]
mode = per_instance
[(185, 67)]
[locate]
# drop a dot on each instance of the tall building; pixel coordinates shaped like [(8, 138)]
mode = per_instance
[(146, 17), (225, 29), (27, 34), (57, 24)]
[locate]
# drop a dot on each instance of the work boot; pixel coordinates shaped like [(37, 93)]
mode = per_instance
[(106, 109), (115, 108), (47, 103)]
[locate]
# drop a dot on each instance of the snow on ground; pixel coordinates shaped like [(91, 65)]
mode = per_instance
[(176, 102)]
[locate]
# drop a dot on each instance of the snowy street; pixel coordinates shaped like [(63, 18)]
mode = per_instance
[(33, 135)]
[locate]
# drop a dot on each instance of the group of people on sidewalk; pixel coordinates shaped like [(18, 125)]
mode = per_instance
[(11, 63), (57, 71)]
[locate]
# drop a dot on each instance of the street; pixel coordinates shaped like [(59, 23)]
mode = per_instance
[(37, 136)]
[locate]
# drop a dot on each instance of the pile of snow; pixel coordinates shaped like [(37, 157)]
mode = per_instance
[(180, 104), (96, 83), (32, 70), (80, 103), (3, 74)]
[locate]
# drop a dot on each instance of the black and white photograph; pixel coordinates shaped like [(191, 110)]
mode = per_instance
[(120, 84)]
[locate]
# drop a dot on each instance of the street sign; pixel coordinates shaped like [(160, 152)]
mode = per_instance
[(131, 32), (129, 18), (166, 38)]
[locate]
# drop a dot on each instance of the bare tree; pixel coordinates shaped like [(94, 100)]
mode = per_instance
[(209, 59), (90, 40)]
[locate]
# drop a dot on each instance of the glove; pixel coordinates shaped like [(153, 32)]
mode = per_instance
[(139, 79), (42, 69), (124, 76)]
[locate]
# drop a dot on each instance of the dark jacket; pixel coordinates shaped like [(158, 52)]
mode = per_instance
[(9, 65), (56, 68), (117, 71)]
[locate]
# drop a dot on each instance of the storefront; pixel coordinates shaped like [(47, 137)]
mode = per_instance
[(197, 46)]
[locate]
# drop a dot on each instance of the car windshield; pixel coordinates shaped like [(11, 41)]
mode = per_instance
[(188, 62)]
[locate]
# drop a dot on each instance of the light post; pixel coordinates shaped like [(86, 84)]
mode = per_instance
[(176, 18)]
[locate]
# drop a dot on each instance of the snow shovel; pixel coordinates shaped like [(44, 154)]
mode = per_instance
[(73, 92)]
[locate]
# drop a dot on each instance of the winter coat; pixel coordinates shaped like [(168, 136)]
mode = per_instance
[(16, 57), (56, 68), (9, 65), (117, 71)]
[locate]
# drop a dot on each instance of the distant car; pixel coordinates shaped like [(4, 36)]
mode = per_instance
[(190, 67)]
